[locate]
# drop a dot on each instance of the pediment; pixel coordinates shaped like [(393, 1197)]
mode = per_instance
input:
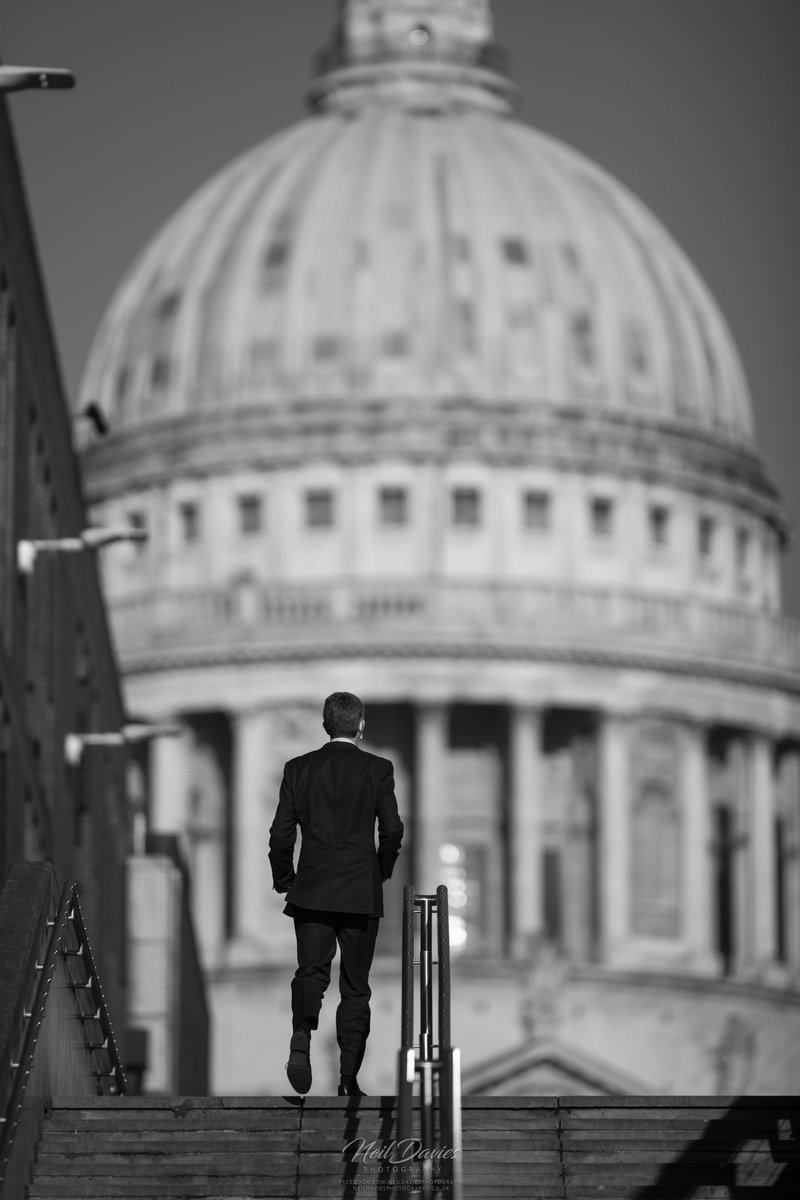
[(549, 1068)]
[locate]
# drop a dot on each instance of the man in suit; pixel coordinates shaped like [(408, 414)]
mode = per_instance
[(336, 795)]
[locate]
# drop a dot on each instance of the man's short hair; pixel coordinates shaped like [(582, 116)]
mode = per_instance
[(342, 714)]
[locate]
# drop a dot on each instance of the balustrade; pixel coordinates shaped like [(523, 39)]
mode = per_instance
[(525, 615)]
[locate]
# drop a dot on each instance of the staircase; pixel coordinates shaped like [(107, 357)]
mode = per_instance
[(536, 1148)]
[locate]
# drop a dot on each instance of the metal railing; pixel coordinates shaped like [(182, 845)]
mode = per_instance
[(434, 1064), (49, 1054)]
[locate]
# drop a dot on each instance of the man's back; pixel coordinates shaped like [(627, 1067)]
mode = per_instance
[(336, 794)]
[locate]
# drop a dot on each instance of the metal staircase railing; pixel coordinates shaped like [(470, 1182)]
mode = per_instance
[(65, 993), (434, 1065)]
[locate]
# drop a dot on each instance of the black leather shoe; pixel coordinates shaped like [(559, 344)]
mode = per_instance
[(298, 1068), (350, 1088)]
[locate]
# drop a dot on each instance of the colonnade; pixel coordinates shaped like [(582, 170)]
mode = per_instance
[(759, 879)]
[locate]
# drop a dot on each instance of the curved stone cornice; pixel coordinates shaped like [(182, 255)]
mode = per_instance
[(556, 624), (290, 433), (427, 86)]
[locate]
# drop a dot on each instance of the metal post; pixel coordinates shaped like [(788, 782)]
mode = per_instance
[(426, 1038), (406, 1066), (443, 955), (444, 1067), (425, 979), (454, 1133), (407, 1017)]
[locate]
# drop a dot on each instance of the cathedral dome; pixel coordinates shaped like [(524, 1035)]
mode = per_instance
[(415, 401), (412, 238)]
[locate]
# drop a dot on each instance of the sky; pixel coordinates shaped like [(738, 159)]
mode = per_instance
[(693, 104)]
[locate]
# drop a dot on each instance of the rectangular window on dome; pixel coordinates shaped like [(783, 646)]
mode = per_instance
[(637, 351), (706, 531), (326, 347), (273, 265), (276, 255), (659, 522), (189, 513), (515, 251), (319, 508), (168, 306), (466, 506), (744, 559), (602, 517), (466, 338), (160, 371), (251, 514), (537, 510), (583, 339), (395, 344), (393, 506), (742, 550)]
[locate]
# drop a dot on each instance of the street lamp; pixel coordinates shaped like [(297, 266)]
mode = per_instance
[(20, 79), (90, 539), (74, 743), (93, 413)]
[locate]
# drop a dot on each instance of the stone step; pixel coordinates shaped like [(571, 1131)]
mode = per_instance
[(539, 1149)]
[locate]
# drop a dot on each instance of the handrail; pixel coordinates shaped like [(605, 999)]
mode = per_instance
[(422, 1064), (110, 1067), (67, 946)]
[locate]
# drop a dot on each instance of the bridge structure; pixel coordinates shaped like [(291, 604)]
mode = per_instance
[(71, 1131)]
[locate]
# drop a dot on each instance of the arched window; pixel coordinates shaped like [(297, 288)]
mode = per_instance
[(656, 862)]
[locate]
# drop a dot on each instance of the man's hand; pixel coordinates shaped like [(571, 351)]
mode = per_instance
[(283, 885)]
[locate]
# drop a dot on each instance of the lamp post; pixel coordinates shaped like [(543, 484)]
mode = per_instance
[(93, 413), (91, 539), (75, 743), (21, 79)]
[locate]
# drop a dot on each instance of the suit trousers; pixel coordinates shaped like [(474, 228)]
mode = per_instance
[(318, 934)]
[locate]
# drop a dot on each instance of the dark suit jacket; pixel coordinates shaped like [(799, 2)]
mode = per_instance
[(336, 794)]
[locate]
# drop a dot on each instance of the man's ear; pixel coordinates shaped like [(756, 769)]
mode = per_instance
[(361, 725)]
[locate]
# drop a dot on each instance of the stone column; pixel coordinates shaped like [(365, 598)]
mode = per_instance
[(258, 917), (251, 874), (525, 828), (430, 827), (761, 858), (209, 797), (697, 911), (615, 836), (169, 781)]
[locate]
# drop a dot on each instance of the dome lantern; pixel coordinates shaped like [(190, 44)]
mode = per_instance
[(396, 28), (431, 52)]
